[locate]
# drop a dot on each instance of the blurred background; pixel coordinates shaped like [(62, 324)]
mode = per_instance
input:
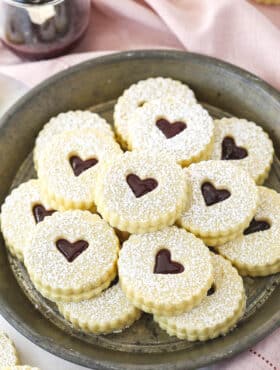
[(242, 32)]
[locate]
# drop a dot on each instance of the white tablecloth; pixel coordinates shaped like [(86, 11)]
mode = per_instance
[(33, 355)]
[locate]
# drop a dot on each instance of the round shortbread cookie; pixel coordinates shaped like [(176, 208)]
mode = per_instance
[(245, 144), (224, 200), (67, 122), (257, 251), (165, 272), (140, 192), (145, 91), (107, 313), (172, 127), (72, 256), (20, 213), (8, 354), (219, 311), (69, 165)]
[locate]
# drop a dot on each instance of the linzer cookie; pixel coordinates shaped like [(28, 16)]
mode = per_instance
[(257, 251), (109, 312), (68, 167), (22, 210), (8, 354), (219, 311), (140, 192), (172, 127), (142, 92), (165, 272), (224, 200), (72, 256), (245, 144), (67, 122)]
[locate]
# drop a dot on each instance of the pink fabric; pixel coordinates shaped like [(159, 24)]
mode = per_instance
[(238, 31)]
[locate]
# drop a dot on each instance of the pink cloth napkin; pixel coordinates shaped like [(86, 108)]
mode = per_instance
[(236, 31)]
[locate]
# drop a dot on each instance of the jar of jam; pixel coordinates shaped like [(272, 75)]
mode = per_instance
[(41, 29)]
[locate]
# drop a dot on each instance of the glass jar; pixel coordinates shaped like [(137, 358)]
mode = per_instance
[(41, 29)]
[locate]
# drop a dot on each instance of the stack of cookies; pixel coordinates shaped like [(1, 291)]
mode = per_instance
[(121, 222)]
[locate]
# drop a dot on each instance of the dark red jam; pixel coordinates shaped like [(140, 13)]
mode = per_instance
[(40, 29)]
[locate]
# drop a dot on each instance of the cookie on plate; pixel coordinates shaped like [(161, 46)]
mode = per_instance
[(69, 121), (68, 167), (223, 202), (245, 144), (22, 210), (109, 312), (257, 251), (8, 354), (142, 92), (219, 311), (165, 272), (140, 192), (72, 256), (172, 127)]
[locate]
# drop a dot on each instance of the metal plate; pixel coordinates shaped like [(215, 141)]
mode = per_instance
[(161, 351)]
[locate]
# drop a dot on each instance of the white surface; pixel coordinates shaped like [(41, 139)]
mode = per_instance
[(10, 91), (33, 355)]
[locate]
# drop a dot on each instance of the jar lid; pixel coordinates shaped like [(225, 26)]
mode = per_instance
[(23, 3), (33, 2)]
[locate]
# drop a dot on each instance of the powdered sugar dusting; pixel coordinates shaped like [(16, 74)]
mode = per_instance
[(117, 197), (215, 309), (249, 136), (145, 91), (224, 216), (111, 305), (54, 169), (187, 146), (260, 248), (17, 220), (67, 122), (137, 260), (7, 351), (47, 264)]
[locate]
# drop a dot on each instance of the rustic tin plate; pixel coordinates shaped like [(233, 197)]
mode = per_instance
[(97, 83)]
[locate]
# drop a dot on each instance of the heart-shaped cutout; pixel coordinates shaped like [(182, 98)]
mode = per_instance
[(212, 195), (164, 264), (140, 187), (231, 151), (40, 212), (79, 166), (71, 250), (170, 129), (256, 226)]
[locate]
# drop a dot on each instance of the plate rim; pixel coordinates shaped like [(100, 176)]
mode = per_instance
[(45, 343)]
